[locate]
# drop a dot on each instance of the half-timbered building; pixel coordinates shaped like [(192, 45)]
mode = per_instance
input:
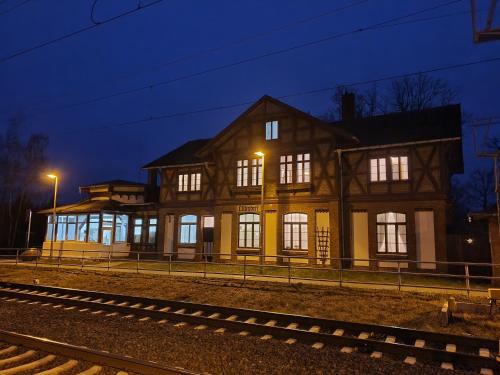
[(280, 185)]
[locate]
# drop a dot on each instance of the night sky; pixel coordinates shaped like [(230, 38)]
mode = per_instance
[(126, 53)]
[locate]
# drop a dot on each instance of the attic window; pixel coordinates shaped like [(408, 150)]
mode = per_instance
[(271, 130)]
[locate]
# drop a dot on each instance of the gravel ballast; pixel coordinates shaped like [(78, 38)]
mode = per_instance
[(203, 351)]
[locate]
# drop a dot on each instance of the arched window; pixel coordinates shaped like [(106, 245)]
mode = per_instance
[(295, 231), (249, 231), (188, 229), (391, 233)]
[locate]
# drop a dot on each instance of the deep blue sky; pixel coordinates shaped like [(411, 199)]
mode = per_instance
[(119, 56)]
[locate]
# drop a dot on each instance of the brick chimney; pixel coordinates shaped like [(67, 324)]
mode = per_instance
[(348, 106)]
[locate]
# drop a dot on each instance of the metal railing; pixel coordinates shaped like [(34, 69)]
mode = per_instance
[(394, 273)]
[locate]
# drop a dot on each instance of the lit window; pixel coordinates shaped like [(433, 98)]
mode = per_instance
[(256, 172), (121, 224), (378, 170), (242, 173), (93, 227), (183, 182), (188, 229), (303, 168), (271, 130), (71, 235), (249, 233), (295, 231), (286, 169), (50, 227), (391, 233), (61, 227), (153, 222), (137, 230), (399, 167), (195, 181), (107, 228), (82, 228)]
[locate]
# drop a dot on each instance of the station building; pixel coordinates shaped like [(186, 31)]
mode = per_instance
[(287, 186)]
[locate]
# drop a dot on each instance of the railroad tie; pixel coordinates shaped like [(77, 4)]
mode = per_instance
[(97, 312), (91, 371), (410, 360), (271, 323), (197, 313), (180, 324), (376, 355), (220, 330), (292, 326), (163, 321), (419, 343), (29, 366), (99, 300), (12, 299), (137, 305), (452, 348), (150, 307), (214, 316), (390, 339), (22, 301), (486, 371), (347, 349), (60, 369), (70, 308), (200, 327), (484, 352), (34, 303), (244, 333), (232, 318), (84, 310), (291, 341), (251, 320), (57, 306), (122, 304), (314, 329), (266, 337), (17, 358), (447, 366), (164, 309), (145, 319), (8, 350), (112, 314), (122, 373), (111, 302), (338, 332), (86, 299), (129, 316), (65, 296), (363, 335)]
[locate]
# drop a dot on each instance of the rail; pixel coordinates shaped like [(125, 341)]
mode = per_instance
[(396, 273)]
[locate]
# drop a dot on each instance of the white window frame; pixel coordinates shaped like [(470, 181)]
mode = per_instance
[(399, 168), (295, 235), (303, 167), (188, 225), (378, 169), (286, 169), (392, 233), (137, 231), (249, 231), (272, 130), (242, 173), (152, 230), (183, 182), (195, 181), (257, 172)]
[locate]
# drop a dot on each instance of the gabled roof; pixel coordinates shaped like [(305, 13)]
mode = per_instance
[(345, 134), (430, 124), (90, 206), (185, 154)]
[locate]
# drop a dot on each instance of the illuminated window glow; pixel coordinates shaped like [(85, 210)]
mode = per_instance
[(271, 130), (391, 233), (378, 170), (295, 231), (249, 231), (188, 230)]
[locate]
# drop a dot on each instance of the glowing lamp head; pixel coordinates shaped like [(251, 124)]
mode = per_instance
[(470, 241), (52, 176), (259, 153)]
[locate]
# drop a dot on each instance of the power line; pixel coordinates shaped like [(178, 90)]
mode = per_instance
[(14, 7), (253, 58), (76, 32), (296, 94)]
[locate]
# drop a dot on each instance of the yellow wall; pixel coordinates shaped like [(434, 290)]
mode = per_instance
[(271, 225), (225, 236), (360, 238), (426, 244)]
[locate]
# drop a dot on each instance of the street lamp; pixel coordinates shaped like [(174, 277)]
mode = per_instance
[(262, 239), (54, 217)]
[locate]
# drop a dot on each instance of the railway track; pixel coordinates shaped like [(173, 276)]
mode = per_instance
[(449, 351), (23, 354)]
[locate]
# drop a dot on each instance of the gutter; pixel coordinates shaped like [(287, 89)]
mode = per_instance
[(440, 140)]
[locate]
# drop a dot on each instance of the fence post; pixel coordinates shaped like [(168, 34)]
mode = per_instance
[(467, 280), (137, 269), (244, 268), (289, 272), (399, 276), (205, 266), (17, 256)]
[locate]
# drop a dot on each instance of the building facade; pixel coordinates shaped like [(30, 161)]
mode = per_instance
[(279, 185)]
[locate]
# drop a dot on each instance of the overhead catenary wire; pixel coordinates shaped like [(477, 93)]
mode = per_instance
[(140, 7), (12, 8), (253, 58), (290, 95)]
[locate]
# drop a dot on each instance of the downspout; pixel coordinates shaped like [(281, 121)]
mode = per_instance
[(341, 202)]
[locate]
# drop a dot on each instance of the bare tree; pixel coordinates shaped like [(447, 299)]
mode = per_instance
[(415, 93), (480, 189)]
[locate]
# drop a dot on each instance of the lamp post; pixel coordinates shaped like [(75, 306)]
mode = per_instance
[(53, 177), (262, 239)]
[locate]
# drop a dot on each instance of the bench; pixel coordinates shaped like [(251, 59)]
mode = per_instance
[(493, 295)]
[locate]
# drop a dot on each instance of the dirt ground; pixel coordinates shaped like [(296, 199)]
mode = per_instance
[(407, 309)]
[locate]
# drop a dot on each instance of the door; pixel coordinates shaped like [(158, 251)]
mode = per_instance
[(360, 238), (208, 236), (426, 245), (168, 243)]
